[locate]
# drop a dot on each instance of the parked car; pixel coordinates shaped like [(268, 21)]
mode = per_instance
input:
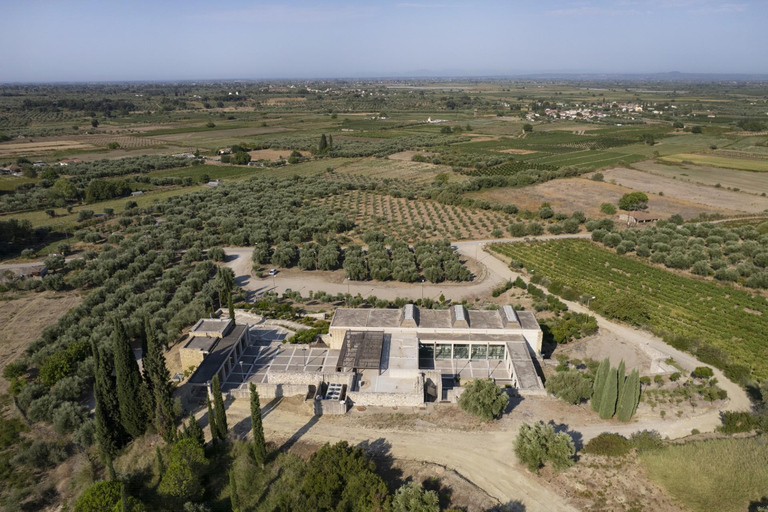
[(272, 272)]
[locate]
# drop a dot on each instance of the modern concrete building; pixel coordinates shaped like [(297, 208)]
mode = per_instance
[(373, 357)]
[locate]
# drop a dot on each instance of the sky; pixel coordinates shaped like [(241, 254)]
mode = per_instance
[(106, 40)]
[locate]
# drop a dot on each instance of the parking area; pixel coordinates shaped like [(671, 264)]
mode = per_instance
[(268, 353)]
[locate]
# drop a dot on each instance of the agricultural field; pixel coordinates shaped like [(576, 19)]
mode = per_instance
[(410, 220), (757, 165), (720, 323), (582, 194), (684, 185), (745, 181)]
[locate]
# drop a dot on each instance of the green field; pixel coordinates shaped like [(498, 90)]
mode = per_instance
[(725, 318), (725, 475), (9, 183), (717, 161)]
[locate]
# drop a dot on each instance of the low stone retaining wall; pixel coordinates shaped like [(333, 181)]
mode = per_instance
[(415, 398), (267, 390)]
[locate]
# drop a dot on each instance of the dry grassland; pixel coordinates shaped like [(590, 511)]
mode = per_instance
[(572, 194)]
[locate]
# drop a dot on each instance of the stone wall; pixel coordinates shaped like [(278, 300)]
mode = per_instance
[(270, 391)]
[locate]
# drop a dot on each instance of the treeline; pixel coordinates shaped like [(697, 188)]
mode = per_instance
[(107, 105), (58, 187), (16, 234)]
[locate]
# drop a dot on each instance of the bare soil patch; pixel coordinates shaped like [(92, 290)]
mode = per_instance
[(272, 154), (701, 194), (208, 135), (17, 148), (569, 195), (607, 344), (285, 101), (746, 181), (517, 151), (407, 156), (24, 317)]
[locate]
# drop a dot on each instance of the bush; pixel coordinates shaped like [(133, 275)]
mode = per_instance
[(538, 444), (646, 440), (598, 176), (734, 422), (412, 497), (570, 386), (608, 209), (703, 372), (612, 445), (483, 398), (183, 477), (100, 497)]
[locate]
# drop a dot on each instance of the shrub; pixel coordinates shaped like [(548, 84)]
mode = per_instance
[(484, 399), (100, 497), (734, 422), (570, 386), (703, 372), (598, 176), (412, 497), (538, 444), (612, 445), (183, 477), (646, 440)]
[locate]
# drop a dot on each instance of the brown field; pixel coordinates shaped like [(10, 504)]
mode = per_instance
[(407, 156), (210, 135), (416, 220), (517, 151), (411, 172), (700, 194), (23, 318), (272, 154), (568, 195), (285, 101), (746, 181), (19, 148)]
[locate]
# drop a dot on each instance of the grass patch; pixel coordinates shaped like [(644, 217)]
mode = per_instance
[(724, 474), (719, 161)]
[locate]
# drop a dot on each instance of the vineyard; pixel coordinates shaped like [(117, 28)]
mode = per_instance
[(721, 325)]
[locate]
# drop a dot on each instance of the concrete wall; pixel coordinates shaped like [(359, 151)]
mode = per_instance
[(271, 391), (306, 379), (414, 398)]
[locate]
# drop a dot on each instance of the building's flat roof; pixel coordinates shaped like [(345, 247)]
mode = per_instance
[(219, 353), (212, 326), (456, 317), (457, 337)]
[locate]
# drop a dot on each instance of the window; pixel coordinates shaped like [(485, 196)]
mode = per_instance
[(461, 351), (479, 352), (426, 351), (443, 351), (496, 351)]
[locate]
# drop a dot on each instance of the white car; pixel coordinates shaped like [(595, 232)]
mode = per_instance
[(272, 272)]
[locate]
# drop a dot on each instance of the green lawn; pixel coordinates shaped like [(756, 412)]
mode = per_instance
[(723, 475)]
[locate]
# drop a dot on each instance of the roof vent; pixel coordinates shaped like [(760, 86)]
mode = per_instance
[(509, 317), (460, 316)]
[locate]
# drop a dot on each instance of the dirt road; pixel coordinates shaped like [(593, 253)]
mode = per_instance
[(484, 458), (239, 260)]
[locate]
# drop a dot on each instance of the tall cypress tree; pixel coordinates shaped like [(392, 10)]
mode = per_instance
[(130, 387), (622, 379), (629, 399), (330, 142), (323, 146), (159, 381), (219, 411), (597, 388), (610, 394), (259, 444), (110, 435), (230, 306), (212, 421), (194, 431)]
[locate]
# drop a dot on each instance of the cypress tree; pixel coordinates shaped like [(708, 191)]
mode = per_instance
[(194, 431), (597, 388), (330, 142), (212, 421), (124, 497), (323, 146), (130, 388), (610, 394), (235, 500), (259, 444), (622, 380), (230, 306), (629, 399), (109, 432), (219, 411), (159, 382), (159, 457)]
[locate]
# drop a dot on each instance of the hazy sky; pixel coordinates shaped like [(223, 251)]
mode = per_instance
[(76, 40)]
